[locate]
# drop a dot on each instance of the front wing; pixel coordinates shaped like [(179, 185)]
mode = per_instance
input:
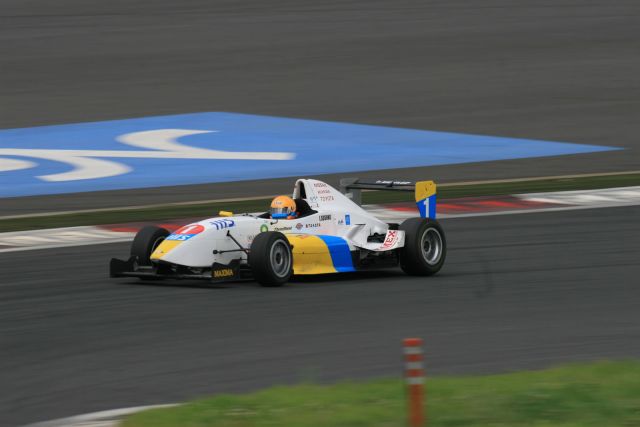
[(217, 273)]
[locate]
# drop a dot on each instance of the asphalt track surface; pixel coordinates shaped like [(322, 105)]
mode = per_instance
[(517, 291), (562, 70)]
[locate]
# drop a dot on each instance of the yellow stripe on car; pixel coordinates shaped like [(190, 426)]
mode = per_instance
[(311, 255), (165, 247)]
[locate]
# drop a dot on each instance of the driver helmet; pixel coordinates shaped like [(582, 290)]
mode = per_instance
[(283, 207)]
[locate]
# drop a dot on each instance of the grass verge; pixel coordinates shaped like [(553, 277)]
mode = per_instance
[(198, 209), (594, 394)]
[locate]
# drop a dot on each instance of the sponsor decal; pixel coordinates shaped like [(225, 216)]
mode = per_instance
[(341, 222), (386, 182), (190, 229), (180, 237), (263, 228), (186, 232), (347, 219), (222, 272), (282, 228), (312, 225), (326, 198), (221, 224), (390, 240), (326, 191), (320, 185), (299, 226), (325, 218)]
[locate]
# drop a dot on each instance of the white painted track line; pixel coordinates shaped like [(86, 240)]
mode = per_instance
[(608, 197), (59, 237), (108, 418)]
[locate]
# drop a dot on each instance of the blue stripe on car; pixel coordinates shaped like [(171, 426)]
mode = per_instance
[(340, 253)]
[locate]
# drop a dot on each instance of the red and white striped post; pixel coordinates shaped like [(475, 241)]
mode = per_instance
[(414, 376)]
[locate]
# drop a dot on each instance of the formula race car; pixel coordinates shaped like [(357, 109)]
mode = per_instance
[(328, 233)]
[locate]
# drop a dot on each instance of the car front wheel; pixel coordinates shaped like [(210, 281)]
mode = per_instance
[(270, 259), (146, 241)]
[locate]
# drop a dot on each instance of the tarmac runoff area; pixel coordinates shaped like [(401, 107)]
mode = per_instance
[(537, 71), (450, 208)]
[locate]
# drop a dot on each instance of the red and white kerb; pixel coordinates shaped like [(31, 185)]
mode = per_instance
[(414, 376)]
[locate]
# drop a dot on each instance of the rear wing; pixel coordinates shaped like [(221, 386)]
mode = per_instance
[(425, 191)]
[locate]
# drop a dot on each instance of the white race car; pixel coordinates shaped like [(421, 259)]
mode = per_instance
[(331, 234)]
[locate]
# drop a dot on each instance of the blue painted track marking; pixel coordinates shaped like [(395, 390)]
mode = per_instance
[(221, 147)]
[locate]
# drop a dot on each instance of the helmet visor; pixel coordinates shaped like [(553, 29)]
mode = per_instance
[(280, 212)]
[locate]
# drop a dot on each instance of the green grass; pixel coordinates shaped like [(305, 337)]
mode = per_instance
[(204, 210), (595, 394)]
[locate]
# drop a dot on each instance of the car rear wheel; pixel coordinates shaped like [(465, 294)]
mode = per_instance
[(270, 259), (425, 247), (146, 241)]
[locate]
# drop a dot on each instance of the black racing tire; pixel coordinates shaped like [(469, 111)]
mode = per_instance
[(270, 259), (425, 247), (146, 241)]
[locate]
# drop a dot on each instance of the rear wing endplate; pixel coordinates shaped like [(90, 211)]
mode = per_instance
[(425, 191)]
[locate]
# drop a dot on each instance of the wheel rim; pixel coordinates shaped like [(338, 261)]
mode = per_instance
[(280, 258), (431, 246)]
